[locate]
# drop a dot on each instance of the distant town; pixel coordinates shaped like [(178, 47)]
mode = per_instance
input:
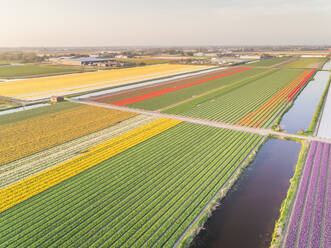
[(114, 57)]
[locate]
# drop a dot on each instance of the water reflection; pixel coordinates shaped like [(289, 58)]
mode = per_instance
[(303, 110), (247, 215)]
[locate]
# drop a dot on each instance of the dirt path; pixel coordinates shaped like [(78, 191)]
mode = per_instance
[(260, 131)]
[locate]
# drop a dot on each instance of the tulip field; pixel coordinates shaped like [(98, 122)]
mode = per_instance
[(310, 220), (254, 104), (269, 62), (20, 169), (149, 203), (164, 98), (93, 173), (314, 63), (39, 88), (21, 138), (39, 182), (278, 102), (174, 82), (172, 89)]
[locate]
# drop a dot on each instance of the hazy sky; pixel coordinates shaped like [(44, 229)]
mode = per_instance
[(164, 22)]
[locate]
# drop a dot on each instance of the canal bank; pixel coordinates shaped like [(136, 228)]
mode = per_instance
[(247, 215)]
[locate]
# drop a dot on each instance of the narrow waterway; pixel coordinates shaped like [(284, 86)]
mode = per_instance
[(247, 215), (303, 110)]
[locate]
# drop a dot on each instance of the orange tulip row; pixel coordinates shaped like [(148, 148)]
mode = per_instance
[(259, 117)]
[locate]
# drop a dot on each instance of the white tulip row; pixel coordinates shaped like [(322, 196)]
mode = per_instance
[(20, 169)]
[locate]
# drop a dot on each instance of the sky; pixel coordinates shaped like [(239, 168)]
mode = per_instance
[(164, 23)]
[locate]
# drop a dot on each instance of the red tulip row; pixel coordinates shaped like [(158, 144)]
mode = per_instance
[(164, 91), (260, 117), (300, 86)]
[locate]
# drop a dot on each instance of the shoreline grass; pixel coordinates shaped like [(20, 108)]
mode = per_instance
[(191, 233), (318, 113), (287, 204)]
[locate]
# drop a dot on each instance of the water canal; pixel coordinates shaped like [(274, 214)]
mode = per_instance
[(247, 215), (303, 110), (327, 66)]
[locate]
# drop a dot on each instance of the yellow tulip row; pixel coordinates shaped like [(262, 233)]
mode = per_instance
[(46, 86), (26, 137), (31, 186)]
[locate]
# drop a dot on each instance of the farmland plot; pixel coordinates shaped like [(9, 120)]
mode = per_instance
[(309, 224), (278, 102), (269, 62), (39, 88), (176, 88), (20, 169), (31, 186), (146, 203), (307, 63), (36, 70), (170, 96), (240, 104), (138, 91), (22, 138)]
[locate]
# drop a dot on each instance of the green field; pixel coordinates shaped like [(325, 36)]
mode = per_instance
[(31, 113), (30, 70), (269, 62), (232, 105), (192, 91), (146, 196), (314, 63), (8, 62), (7, 105)]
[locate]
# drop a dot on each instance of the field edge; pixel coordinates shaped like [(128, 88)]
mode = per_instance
[(195, 227), (287, 204)]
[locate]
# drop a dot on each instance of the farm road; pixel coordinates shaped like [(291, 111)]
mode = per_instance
[(260, 131)]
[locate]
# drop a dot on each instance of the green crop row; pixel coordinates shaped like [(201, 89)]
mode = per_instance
[(36, 70), (234, 105), (170, 98), (269, 62), (17, 170), (218, 93), (32, 113), (307, 63), (146, 196)]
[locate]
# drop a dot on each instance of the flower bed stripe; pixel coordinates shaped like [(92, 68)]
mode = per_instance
[(300, 86), (164, 91), (318, 211), (278, 101), (309, 224), (296, 212), (31, 186), (20, 169), (308, 208), (326, 234)]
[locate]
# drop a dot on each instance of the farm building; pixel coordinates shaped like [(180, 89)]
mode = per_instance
[(84, 61), (55, 99), (250, 56), (230, 61)]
